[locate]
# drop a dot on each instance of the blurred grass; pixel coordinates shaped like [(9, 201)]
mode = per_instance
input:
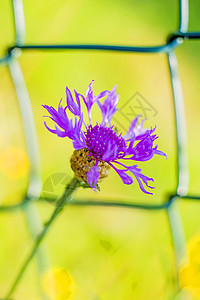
[(110, 253)]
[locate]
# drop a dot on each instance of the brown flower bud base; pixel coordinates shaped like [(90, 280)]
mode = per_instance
[(81, 163)]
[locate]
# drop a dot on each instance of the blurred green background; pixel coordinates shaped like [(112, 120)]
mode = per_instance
[(111, 253)]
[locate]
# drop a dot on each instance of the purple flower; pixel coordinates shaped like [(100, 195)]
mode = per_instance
[(100, 143)]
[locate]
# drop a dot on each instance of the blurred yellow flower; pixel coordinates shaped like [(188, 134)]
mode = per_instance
[(58, 284), (14, 162), (190, 273)]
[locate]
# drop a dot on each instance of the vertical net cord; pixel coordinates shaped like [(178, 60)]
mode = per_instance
[(181, 130), (183, 15), (34, 189), (35, 183), (20, 27), (174, 217)]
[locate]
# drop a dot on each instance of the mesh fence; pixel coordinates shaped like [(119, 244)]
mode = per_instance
[(35, 182)]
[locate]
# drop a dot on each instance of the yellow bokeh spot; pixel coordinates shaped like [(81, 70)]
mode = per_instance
[(58, 284), (190, 274), (194, 249), (14, 162)]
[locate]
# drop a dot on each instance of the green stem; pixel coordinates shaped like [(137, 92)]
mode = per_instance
[(35, 227), (70, 189)]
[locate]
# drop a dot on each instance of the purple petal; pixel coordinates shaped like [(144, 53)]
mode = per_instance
[(59, 117), (160, 153), (89, 100), (122, 173), (136, 131), (72, 106), (70, 130), (145, 133), (144, 149), (130, 133), (108, 108), (54, 114), (77, 134), (78, 96), (101, 95), (141, 178), (89, 96), (78, 144), (57, 131), (93, 176), (111, 152)]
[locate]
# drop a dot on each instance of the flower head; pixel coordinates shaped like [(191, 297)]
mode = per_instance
[(98, 146)]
